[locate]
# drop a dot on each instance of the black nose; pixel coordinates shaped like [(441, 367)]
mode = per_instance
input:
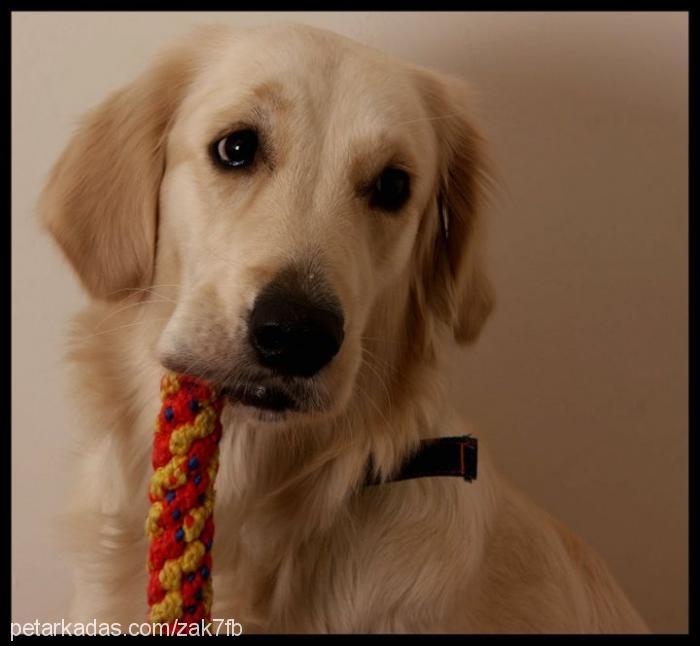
[(293, 335)]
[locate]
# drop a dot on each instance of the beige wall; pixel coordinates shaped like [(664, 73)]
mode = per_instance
[(580, 380)]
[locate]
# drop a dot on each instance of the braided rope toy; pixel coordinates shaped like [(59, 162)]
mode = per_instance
[(180, 525)]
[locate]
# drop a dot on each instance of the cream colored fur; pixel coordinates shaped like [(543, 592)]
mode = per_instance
[(173, 252)]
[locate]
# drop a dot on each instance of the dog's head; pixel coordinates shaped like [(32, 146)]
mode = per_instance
[(296, 197)]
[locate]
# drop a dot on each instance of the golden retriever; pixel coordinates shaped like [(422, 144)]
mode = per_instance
[(248, 175)]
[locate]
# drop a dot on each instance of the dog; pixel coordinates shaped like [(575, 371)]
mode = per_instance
[(297, 217)]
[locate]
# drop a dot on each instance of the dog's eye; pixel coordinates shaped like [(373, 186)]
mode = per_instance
[(391, 189), (237, 149)]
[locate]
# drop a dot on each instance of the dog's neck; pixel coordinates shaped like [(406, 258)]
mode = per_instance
[(322, 465)]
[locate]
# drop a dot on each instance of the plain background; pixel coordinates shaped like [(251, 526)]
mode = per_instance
[(579, 381)]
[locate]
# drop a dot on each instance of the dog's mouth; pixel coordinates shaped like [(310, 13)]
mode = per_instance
[(266, 397)]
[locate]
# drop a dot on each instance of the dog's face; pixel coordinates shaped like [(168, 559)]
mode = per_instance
[(284, 187)]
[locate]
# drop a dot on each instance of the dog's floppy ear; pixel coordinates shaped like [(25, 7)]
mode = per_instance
[(101, 198), (454, 283)]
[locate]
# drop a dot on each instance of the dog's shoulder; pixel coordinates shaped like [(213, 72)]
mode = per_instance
[(539, 576)]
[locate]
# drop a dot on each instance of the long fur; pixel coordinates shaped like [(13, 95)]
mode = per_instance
[(301, 546)]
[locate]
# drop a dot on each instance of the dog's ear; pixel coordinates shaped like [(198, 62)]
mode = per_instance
[(454, 283), (101, 198)]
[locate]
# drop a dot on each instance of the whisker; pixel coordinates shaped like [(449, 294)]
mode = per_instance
[(142, 289), (382, 340), (367, 397), (381, 363), (423, 119), (129, 306), (366, 362), (121, 327)]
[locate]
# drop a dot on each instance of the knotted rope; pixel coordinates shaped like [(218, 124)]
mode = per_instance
[(180, 525)]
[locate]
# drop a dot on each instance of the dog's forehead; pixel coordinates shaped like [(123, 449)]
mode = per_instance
[(306, 69)]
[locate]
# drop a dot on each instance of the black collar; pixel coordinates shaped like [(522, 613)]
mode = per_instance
[(442, 456)]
